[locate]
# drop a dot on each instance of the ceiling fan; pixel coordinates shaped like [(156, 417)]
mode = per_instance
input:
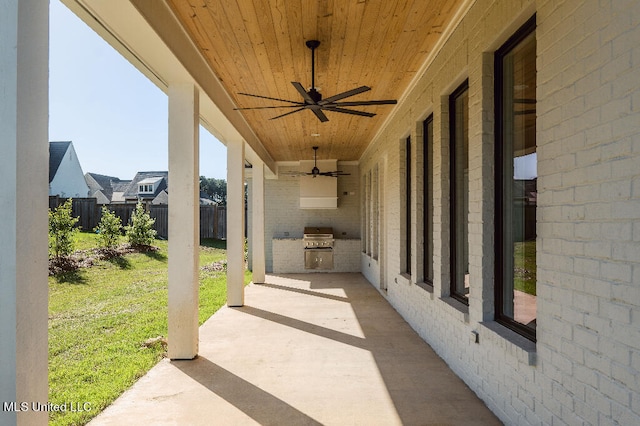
[(315, 172), (312, 99)]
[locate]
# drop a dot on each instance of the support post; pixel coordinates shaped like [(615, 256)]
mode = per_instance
[(24, 160), (257, 234), (184, 221), (235, 223)]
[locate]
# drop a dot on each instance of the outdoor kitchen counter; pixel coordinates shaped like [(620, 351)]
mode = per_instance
[(288, 255)]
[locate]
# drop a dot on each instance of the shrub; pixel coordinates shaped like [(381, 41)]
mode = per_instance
[(108, 229), (140, 232), (62, 230)]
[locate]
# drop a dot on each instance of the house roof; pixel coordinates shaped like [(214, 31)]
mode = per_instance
[(131, 192), (150, 180), (120, 186), (56, 153), (161, 198), (102, 183), (205, 199)]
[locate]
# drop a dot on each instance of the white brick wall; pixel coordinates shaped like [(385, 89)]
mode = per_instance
[(585, 367)]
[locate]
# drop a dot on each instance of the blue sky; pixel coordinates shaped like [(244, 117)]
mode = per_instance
[(115, 117)]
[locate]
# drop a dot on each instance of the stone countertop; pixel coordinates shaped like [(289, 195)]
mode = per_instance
[(300, 239)]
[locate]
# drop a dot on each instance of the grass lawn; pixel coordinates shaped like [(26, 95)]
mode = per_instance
[(101, 316), (525, 266)]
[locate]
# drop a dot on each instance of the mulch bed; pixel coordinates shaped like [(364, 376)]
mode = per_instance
[(86, 258)]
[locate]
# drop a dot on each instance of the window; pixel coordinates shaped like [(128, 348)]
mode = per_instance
[(365, 213), (427, 225), (459, 192), (516, 181), (370, 213), (374, 212), (145, 188), (407, 205)]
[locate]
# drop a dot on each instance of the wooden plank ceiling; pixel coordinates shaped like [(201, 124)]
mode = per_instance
[(258, 47)]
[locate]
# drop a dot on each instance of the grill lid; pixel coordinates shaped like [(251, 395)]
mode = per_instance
[(317, 231)]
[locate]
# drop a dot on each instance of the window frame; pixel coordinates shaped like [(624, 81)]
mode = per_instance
[(365, 210), (453, 193), (375, 212), (145, 188), (427, 206), (520, 35), (407, 206)]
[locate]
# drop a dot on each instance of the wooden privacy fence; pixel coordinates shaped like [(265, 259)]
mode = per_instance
[(213, 219)]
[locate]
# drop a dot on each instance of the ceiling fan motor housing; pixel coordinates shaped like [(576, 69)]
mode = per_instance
[(315, 95), (312, 44)]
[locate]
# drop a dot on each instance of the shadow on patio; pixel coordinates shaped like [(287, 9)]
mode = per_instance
[(306, 349)]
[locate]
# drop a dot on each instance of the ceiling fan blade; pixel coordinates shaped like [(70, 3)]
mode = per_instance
[(267, 97), (270, 107), (334, 174), (292, 173), (303, 92), (362, 103), (318, 112), (287, 113), (344, 95), (348, 111)]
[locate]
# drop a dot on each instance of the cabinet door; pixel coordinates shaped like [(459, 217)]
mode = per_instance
[(318, 259)]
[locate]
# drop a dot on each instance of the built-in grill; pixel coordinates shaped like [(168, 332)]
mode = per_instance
[(318, 247)]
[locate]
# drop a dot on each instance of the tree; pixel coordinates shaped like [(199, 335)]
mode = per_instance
[(62, 230), (109, 229), (214, 188), (140, 232)]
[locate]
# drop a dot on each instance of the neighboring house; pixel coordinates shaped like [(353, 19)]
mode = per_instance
[(161, 198), (205, 199), (117, 197), (103, 188), (66, 178), (147, 186)]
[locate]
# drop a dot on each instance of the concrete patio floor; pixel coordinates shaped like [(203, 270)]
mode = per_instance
[(306, 349)]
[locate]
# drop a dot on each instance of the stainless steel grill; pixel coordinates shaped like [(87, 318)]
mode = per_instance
[(318, 247)]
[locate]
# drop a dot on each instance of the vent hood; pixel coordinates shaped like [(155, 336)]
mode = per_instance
[(320, 192)]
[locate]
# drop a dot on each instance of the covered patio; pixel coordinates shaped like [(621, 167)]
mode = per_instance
[(423, 157), (304, 349)]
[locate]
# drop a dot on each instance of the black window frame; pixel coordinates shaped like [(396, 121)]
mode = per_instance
[(407, 206), (454, 244), (523, 32), (427, 192)]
